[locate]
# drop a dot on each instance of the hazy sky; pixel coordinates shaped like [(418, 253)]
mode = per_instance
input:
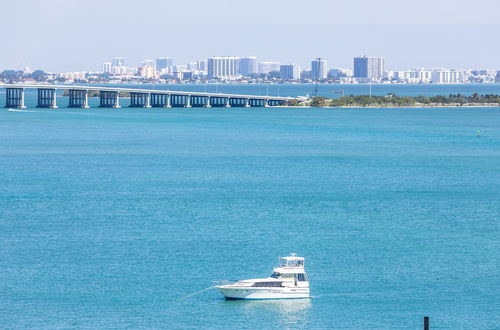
[(74, 35)]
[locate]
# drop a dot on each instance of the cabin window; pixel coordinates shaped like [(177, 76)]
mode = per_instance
[(276, 275), (267, 284), (302, 277), (291, 263)]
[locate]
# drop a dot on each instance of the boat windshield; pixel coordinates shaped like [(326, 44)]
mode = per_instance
[(286, 262), (275, 275)]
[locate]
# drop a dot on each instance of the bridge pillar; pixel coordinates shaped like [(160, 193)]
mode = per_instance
[(227, 102), (247, 103), (47, 98), (158, 100), (140, 100), (188, 101), (78, 98), (168, 103), (14, 98), (109, 99), (266, 103), (207, 102)]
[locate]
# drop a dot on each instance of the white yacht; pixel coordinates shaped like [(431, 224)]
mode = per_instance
[(288, 280)]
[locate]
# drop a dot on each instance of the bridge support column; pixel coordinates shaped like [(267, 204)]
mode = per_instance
[(227, 102), (188, 101), (247, 103), (47, 98), (158, 100), (168, 103), (14, 98), (78, 99), (266, 104), (207, 102), (109, 99), (140, 100)]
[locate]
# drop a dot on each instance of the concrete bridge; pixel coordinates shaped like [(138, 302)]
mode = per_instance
[(139, 97)]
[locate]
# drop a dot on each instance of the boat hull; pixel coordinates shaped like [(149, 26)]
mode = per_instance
[(250, 293)]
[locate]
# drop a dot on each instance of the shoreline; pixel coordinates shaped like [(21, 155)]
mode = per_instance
[(409, 106)]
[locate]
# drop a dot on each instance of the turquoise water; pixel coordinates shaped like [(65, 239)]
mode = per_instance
[(108, 218)]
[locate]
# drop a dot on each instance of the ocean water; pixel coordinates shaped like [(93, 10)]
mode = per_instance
[(112, 218)]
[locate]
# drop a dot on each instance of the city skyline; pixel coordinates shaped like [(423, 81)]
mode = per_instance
[(365, 69), (427, 34)]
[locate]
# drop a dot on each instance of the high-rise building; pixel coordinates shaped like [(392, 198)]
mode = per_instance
[(106, 67), (319, 69), (248, 66), (203, 66), (117, 61), (445, 76), (223, 67), (163, 63), (369, 67), (289, 71), (147, 71), (266, 67), (192, 66)]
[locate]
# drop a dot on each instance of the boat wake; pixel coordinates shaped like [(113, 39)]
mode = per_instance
[(19, 110)]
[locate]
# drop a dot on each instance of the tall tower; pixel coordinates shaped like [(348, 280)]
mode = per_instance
[(319, 69)]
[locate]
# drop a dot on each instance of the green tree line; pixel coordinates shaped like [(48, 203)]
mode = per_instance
[(395, 100)]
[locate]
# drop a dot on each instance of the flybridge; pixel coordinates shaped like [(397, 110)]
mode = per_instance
[(139, 97)]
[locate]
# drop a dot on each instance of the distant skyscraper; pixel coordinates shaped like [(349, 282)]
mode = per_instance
[(147, 71), (319, 69), (192, 66), (117, 61), (266, 67), (106, 67), (223, 67), (248, 66), (289, 71), (203, 65), (369, 67), (163, 63)]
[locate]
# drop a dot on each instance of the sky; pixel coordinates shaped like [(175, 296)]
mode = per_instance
[(79, 35)]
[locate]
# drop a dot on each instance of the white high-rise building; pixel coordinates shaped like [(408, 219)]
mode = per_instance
[(445, 76), (319, 69), (223, 68)]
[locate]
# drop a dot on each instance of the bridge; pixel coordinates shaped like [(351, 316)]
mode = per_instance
[(139, 97)]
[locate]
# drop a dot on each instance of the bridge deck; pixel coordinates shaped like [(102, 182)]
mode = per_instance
[(150, 91)]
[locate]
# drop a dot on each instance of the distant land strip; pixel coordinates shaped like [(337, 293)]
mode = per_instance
[(393, 100)]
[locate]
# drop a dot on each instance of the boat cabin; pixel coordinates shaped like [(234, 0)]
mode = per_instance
[(291, 261)]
